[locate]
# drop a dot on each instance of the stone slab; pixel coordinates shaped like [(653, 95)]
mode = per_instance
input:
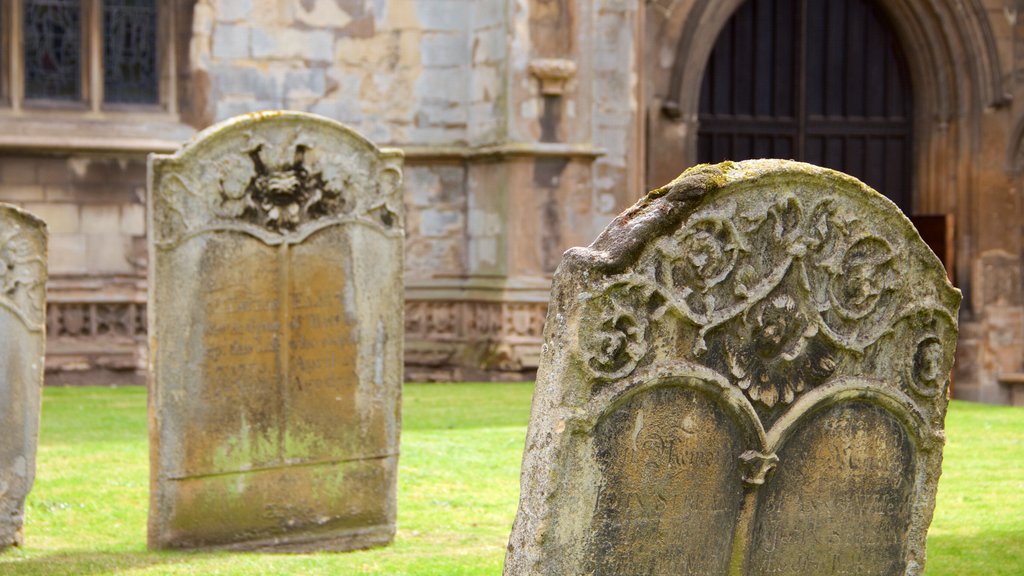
[(276, 333), (745, 374), (23, 332)]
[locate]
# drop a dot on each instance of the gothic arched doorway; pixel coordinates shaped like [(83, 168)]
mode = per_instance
[(823, 81)]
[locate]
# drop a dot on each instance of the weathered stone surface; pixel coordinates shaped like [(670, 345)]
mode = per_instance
[(23, 332), (745, 374), (276, 303)]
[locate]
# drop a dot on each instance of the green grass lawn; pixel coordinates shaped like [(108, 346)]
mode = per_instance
[(458, 490)]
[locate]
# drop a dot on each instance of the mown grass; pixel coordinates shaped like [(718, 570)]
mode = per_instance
[(458, 491)]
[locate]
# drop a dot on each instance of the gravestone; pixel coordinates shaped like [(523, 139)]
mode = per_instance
[(276, 322), (745, 374), (23, 332)]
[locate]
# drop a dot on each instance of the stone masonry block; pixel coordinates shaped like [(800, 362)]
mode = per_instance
[(312, 81), (67, 254), (449, 15), (17, 170), (444, 84), (442, 115), (486, 84), (443, 50), (231, 42), (440, 223), (319, 45), (488, 13), (106, 254), (59, 218), (245, 81), (101, 219), (233, 10), (59, 193), (52, 171), (133, 220), (425, 136), (21, 193), (489, 46), (228, 108), (291, 44), (340, 109)]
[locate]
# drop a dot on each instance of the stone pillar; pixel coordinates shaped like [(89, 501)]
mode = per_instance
[(552, 157)]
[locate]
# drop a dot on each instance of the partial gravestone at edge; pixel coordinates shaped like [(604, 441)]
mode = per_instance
[(22, 358), (745, 374), (276, 335)]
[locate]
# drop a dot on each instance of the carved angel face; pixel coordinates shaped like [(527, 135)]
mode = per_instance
[(781, 328), (776, 360), (865, 277), (279, 195), (928, 363)]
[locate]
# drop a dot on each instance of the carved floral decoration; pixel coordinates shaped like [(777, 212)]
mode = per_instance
[(775, 354), (21, 273), (280, 198), (777, 296), (615, 345)]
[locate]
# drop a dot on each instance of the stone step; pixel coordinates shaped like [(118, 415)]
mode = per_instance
[(1012, 378)]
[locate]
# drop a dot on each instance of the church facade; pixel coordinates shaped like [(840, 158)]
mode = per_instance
[(527, 125)]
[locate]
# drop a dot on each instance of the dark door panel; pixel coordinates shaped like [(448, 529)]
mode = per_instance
[(821, 81)]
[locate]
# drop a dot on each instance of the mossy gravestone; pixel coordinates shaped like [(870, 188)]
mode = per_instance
[(276, 306), (745, 374), (23, 332)]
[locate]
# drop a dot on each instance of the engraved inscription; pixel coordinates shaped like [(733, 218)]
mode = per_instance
[(669, 459), (322, 412), (237, 426), (841, 502)]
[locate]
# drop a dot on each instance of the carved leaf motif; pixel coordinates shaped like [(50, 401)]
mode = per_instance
[(777, 293), (616, 340), (21, 273), (773, 352)]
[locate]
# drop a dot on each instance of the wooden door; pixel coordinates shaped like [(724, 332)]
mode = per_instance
[(822, 81)]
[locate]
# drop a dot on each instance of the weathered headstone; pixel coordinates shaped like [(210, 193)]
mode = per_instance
[(745, 374), (23, 332), (276, 306)]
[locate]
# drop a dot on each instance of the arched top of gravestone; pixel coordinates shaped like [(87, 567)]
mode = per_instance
[(278, 176), (757, 344), (23, 266), (782, 275)]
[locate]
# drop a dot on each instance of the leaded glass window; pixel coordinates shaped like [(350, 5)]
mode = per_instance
[(53, 48), (130, 51)]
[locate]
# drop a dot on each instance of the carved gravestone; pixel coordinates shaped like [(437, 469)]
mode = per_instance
[(276, 306), (23, 332), (745, 374)]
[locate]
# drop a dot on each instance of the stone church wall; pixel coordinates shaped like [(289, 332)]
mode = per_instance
[(527, 125), (518, 120)]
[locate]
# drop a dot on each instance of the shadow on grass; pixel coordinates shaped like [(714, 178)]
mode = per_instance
[(987, 553), (84, 563)]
